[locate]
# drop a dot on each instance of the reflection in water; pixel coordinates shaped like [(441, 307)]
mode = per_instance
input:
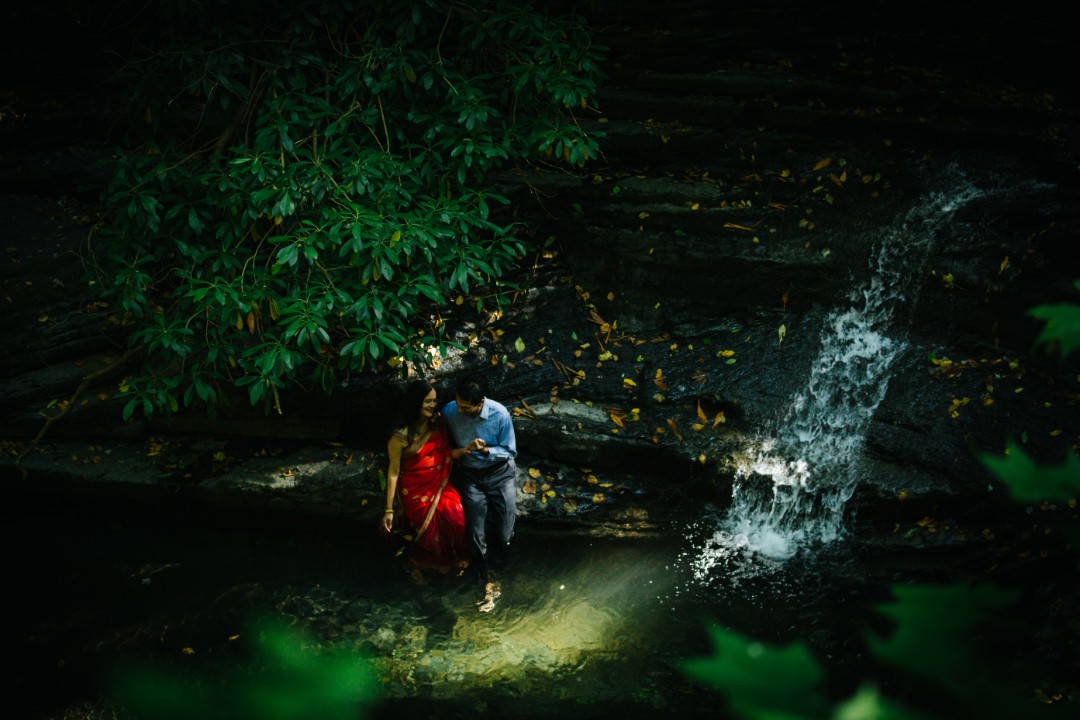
[(562, 619)]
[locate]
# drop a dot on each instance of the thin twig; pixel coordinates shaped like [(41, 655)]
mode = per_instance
[(71, 403)]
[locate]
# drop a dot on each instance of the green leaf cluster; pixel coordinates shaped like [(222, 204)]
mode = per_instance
[(306, 185), (286, 678)]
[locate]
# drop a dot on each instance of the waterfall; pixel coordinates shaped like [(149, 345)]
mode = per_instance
[(791, 488)]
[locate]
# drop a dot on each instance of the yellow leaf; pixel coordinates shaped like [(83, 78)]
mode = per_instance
[(701, 413), (188, 651), (822, 164), (702, 458), (725, 353), (781, 332), (233, 637), (251, 322), (550, 493), (674, 428), (719, 419), (528, 487), (598, 498), (534, 472), (1004, 265), (591, 479), (239, 321), (616, 419), (627, 382), (697, 427)]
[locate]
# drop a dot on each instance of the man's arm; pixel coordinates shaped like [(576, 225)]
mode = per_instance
[(459, 449), (506, 442)]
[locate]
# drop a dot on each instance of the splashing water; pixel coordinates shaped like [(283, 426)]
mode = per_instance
[(790, 490)]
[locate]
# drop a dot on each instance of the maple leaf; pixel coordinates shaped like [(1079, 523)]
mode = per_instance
[(1031, 482), (1062, 326)]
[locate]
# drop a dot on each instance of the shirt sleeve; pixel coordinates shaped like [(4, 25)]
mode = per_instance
[(506, 442)]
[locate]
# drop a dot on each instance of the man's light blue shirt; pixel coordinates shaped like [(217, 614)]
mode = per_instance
[(493, 425)]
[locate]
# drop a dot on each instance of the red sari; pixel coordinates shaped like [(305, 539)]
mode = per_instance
[(441, 544)]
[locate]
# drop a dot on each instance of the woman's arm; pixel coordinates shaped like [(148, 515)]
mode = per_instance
[(394, 449)]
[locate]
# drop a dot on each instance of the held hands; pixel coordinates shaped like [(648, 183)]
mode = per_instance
[(477, 445)]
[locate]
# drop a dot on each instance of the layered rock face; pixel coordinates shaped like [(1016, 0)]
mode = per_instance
[(755, 163)]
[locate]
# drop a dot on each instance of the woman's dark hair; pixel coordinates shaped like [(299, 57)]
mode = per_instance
[(411, 405)]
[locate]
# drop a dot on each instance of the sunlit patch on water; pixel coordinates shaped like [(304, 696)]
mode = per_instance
[(562, 618)]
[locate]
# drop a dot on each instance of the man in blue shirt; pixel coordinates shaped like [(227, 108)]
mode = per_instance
[(485, 475)]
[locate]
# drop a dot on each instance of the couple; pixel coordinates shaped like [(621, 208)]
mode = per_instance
[(454, 478)]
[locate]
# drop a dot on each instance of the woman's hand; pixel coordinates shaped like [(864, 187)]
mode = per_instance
[(387, 523)]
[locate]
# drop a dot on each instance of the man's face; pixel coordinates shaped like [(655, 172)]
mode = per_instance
[(468, 409)]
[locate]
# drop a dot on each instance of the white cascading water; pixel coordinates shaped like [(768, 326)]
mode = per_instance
[(790, 490)]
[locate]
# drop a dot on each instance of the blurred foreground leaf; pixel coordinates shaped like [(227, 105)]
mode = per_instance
[(1062, 325), (1031, 482), (286, 678), (761, 681), (935, 626)]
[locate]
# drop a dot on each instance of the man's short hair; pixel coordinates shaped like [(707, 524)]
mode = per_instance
[(470, 391)]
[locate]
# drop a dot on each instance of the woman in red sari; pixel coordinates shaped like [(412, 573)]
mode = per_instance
[(418, 477)]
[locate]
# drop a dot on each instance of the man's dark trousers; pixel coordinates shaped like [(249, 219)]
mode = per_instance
[(489, 498)]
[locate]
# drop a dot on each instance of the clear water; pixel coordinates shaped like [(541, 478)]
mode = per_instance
[(587, 626)]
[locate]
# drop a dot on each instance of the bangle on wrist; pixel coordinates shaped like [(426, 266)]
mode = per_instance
[(388, 511)]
